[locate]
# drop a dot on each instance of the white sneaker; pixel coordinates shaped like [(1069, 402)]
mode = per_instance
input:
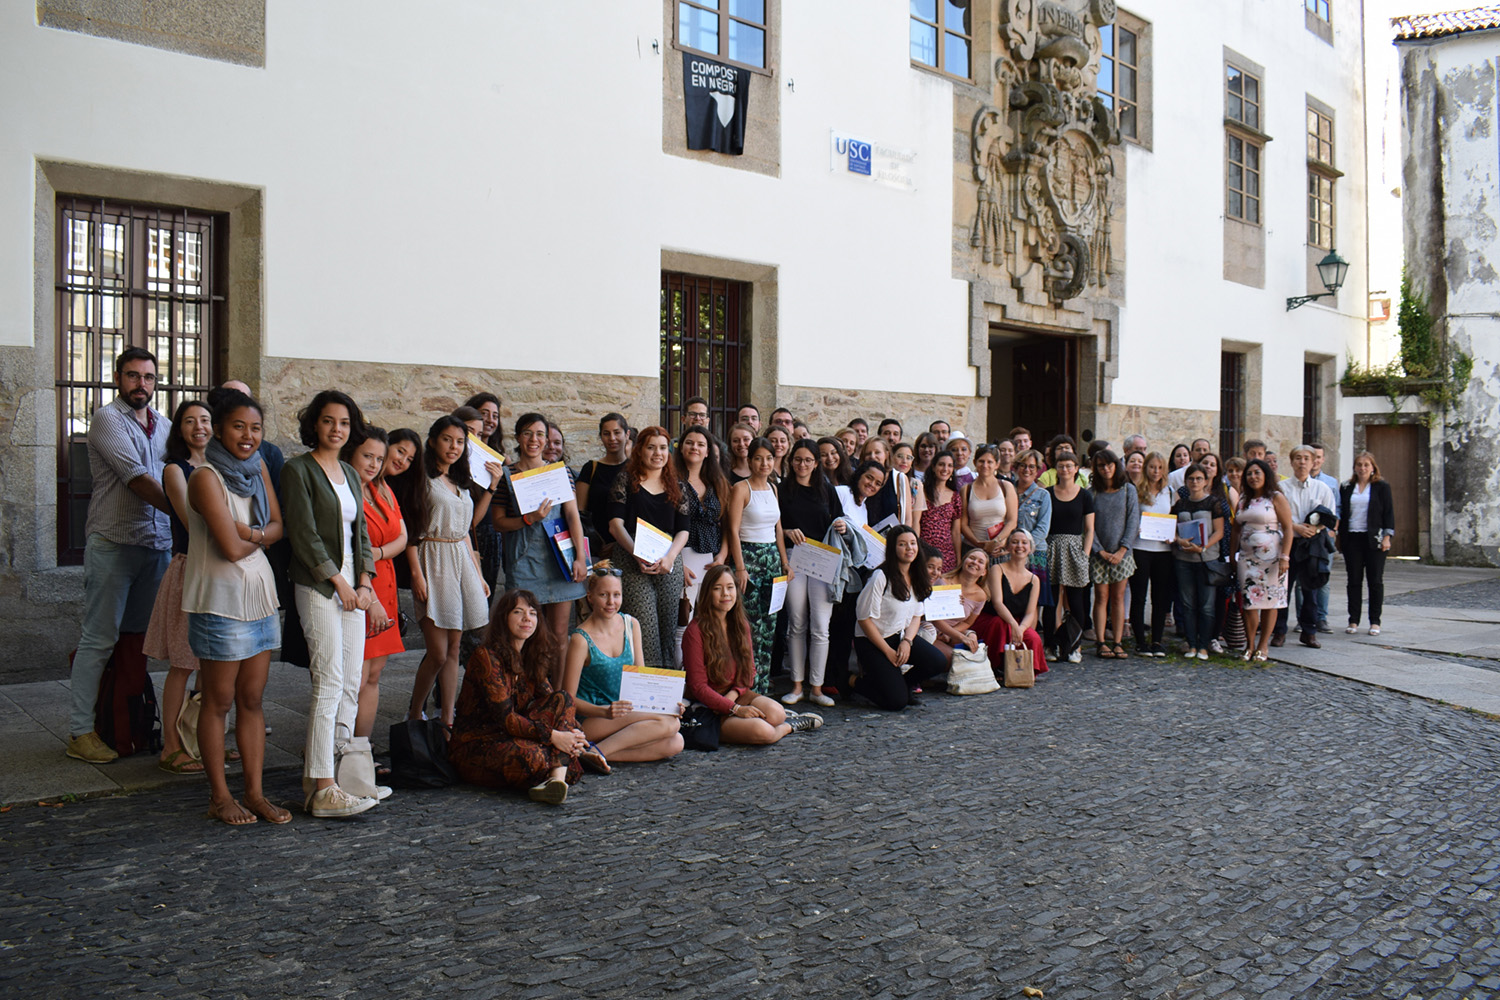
[(1076, 656), (1202, 654), (335, 803), (791, 697), (1216, 647), (819, 698)]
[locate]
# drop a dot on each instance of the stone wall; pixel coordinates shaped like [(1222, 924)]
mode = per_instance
[(826, 410), (1165, 427), (405, 396), (230, 30)]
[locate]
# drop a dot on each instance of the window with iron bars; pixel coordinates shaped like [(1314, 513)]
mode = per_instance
[(1231, 402), (127, 276), (704, 348)]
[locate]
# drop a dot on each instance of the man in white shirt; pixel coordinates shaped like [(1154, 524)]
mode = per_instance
[(1305, 494), (1332, 484), (1177, 478)]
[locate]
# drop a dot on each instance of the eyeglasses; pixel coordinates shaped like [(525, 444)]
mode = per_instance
[(146, 379)]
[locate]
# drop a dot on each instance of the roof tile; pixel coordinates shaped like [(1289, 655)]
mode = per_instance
[(1451, 22)]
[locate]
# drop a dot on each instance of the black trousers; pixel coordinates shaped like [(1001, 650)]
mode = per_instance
[(1366, 564), (882, 681), (1154, 569), (840, 637)]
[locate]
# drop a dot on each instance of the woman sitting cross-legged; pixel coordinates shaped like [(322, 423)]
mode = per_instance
[(598, 649), (893, 659), (721, 668), (512, 730)]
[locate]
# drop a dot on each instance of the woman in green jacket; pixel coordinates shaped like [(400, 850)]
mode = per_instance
[(331, 569)]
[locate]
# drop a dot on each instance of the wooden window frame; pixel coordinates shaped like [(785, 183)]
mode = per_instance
[(1320, 9), (1322, 214), (1112, 57), (719, 350), (1246, 145), (724, 18), (942, 32), (1243, 119)]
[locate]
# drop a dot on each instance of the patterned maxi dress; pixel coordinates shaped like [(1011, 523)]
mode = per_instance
[(502, 733), (937, 528)]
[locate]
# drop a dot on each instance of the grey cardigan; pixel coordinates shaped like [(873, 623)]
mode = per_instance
[(1117, 519)]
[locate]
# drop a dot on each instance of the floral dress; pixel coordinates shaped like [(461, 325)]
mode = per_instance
[(937, 528), (502, 735), (1259, 578)]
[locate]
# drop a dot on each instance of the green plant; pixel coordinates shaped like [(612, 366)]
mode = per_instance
[(1421, 354)]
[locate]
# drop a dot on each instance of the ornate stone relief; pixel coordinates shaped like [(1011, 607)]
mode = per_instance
[(1042, 157)]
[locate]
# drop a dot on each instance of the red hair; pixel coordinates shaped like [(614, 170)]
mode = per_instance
[(635, 468)]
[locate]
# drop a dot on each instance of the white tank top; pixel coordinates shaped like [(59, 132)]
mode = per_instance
[(758, 521), (985, 514)]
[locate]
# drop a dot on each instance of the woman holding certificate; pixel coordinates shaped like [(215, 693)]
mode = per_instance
[(721, 668), (1201, 516), (649, 521), (514, 730), (809, 507), (1153, 557), (532, 562), (704, 487), (599, 649), (893, 659), (758, 551)]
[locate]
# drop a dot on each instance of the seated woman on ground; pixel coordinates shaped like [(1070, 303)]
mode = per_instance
[(1013, 614), (721, 668), (893, 659), (512, 730), (598, 650)]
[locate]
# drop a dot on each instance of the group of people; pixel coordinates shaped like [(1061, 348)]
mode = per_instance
[(200, 527)]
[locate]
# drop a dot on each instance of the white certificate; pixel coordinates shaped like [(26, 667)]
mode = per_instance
[(652, 689), (816, 561), (1158, 527), (651, 543), (480, 453), (548, 482), (875, 547), (889, 522), (778, 594), (945, 604)]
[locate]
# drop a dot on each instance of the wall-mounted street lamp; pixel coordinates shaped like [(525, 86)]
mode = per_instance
[(1332, 270)]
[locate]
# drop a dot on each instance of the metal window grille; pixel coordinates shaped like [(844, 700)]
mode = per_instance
[(1312, 400), (704, 350), (127, 276), (942, 35), (1231, 402), (1118, 74)]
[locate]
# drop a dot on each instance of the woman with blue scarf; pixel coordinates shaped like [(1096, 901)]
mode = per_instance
[(229, 594)]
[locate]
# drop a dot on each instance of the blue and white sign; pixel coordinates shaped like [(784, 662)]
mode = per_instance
[(866, 158)]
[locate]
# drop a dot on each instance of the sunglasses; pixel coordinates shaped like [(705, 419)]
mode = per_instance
[(605, 571)]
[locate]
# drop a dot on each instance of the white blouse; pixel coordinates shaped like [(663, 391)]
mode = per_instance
[(877, 603)]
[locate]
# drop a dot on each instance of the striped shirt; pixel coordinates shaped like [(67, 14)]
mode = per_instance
[(119, 451)]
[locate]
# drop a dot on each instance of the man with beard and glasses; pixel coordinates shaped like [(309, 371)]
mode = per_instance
[(129, 538)]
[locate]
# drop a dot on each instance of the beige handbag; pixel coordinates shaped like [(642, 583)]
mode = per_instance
[(354, 769), (971, 673), (187, 724)]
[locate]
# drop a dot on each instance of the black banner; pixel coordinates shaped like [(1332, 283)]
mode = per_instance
[(717, 99)]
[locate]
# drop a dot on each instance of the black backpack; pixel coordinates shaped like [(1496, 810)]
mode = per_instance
[(419, 755)]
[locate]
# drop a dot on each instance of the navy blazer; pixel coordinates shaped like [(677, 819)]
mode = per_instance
[(1382, 514)]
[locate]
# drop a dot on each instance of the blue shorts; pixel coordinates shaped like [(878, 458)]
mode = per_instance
[(213, 637)]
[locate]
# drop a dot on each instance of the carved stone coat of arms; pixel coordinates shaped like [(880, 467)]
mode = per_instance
[(1042, 159)]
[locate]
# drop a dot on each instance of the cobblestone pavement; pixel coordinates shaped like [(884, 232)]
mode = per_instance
[(1123, 830), (1481, 596)]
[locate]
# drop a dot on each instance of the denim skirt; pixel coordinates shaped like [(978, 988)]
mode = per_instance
[(214, 637)]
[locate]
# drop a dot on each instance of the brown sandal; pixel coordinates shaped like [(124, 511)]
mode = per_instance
[(268, 810), (223, 812)]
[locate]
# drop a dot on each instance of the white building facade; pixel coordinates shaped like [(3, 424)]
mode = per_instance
[(419, 202)]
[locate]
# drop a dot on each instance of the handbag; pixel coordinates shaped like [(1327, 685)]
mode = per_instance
[(1018, 668), (187, 724), (1219, 573), (419, 755), (700, 728), (1069, 635), (971, 672), (354, 768)]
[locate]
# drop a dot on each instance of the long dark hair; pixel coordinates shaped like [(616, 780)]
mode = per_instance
[(859, 473), (921, 583), (930, 480), (841, 476), (537, 656), (177, 446), (458, 472), (1268, 490), (497, 439), (712, 472), (1102, 458), (818, 485), (410, 487), (724, 642)]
